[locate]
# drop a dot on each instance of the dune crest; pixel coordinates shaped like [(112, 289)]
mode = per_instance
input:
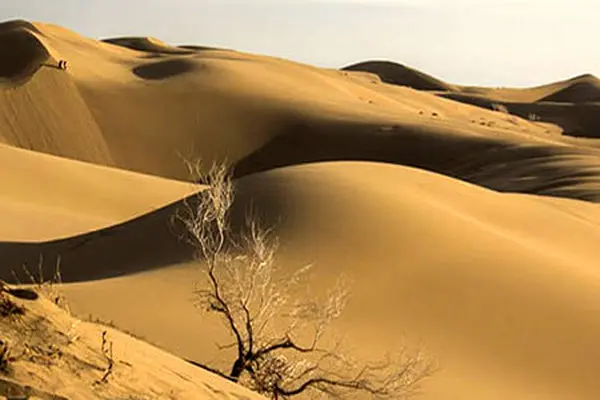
[(46, 197), (255, 110), (398, 74), (582, 89), (147, 44)]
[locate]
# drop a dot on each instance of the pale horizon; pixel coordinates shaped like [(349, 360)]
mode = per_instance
[(507, 43)]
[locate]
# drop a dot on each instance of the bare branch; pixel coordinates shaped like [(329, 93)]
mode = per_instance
[(255, 301)]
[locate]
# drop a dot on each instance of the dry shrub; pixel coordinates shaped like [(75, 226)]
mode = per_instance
[(242, 286)]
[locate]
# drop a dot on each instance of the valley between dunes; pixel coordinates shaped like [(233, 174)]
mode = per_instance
[(467, 217)]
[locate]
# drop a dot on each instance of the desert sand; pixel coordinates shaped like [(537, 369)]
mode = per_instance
[(469, 231)]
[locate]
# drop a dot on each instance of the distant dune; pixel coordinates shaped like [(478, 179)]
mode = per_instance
[(399, 74), (254, 110), (470, 228), (148, 44), (572, 104), (582, 89)]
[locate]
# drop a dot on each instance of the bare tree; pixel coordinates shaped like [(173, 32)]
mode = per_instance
[(253, 299)]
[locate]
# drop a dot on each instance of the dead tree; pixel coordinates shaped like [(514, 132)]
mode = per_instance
[(242, 285)]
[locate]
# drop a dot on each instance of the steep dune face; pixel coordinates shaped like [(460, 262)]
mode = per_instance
[(581, 92), (23, 53), (581, 89), (498, 287), (40, 106), (47, 114)]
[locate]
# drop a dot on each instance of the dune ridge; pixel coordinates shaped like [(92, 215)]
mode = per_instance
[(39, 190), (147, 44), (581, 89), (398, 74), (274, 102)]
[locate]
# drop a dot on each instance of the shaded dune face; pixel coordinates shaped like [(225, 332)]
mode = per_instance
[(503, 166), (578, 92), (22, 53), (398, 74), (165, 69), (115, 251), (18, 24), (198, 48)]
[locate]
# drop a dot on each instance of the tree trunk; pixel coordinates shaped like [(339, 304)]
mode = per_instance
[(238, 368)]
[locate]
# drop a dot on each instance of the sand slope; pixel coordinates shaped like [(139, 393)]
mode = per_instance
[(500, 288), (67, 362), (46, 197)]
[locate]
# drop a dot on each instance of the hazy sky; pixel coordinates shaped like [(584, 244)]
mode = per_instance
[(486, 42)]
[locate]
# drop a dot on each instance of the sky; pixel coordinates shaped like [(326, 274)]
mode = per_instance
[(476, 42)]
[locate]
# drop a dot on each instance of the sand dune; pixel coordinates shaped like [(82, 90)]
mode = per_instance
[(148, 44), (575, 119), (267, 112), (493, 253), (256, 110), (140, 370), (377, 170), (47, 197), (579, 89), (398, 74), (582, 89)]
